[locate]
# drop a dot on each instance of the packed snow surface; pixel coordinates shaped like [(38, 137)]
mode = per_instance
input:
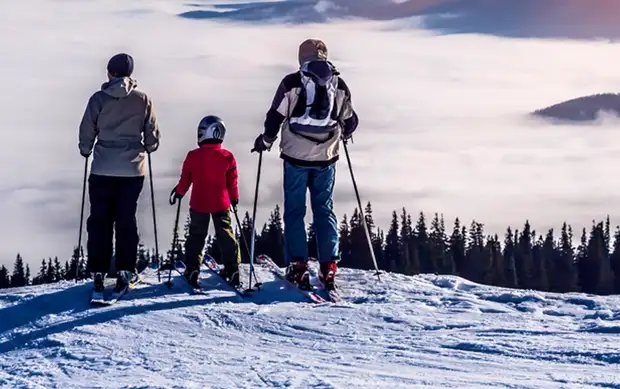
[(404, 332)]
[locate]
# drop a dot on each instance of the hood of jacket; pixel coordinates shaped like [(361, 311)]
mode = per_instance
[(119, 87)]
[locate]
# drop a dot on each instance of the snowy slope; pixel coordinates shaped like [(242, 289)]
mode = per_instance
[(407, 332)]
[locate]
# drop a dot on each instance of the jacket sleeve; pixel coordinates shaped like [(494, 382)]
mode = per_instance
[(186, 176), (88, 126), (277, 113), (348, 116), (232, 180), (151, 128)]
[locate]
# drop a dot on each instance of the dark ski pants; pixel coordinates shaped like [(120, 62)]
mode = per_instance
[(198, 231), (113, 206), (320, 181)]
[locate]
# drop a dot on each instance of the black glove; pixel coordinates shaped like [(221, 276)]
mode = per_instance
[(174, 196), (347, 136), (85, 155), (260, 144), (234, 204)]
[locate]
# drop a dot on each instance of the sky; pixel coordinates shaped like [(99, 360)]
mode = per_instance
[(443, 118)]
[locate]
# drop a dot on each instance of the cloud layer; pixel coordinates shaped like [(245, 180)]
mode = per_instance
[(579, 19), (443, 118)]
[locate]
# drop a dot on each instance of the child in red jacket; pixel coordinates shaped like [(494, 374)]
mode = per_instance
[(212, 172)]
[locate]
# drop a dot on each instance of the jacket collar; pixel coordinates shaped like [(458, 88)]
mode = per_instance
[(215, 146)]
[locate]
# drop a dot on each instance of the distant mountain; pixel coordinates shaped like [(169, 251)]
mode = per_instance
[(576, 19), (586, 108)]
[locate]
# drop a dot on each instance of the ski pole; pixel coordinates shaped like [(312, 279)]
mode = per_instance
[(154, 218), (253, 237), (175, 239), (245, 243), (359, 203), (79, 246)]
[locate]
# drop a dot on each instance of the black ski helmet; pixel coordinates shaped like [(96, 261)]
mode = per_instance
[(211, 128)]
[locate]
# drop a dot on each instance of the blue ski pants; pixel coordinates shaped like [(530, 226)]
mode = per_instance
[(320, 182)]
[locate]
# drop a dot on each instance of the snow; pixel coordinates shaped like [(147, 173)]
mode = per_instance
[(404, 332)]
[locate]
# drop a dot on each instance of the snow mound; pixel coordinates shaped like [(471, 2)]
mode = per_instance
[(436, 331)]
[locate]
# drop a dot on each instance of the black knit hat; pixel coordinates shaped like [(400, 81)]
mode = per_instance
[(121, 65)]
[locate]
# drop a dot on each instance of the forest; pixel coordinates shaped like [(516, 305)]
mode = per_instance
[(588, 262)]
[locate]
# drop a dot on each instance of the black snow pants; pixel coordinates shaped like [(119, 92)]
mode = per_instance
[(113, 206)]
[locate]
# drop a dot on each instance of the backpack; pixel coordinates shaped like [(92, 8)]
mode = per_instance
[(316, 111)]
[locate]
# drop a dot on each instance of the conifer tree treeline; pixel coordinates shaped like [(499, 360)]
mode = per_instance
[(522, 259)]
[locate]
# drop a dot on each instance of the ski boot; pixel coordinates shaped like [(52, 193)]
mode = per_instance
[(297, 273), (123, 279), (231, 274), (192, 277), (327, 275), (98, 287)]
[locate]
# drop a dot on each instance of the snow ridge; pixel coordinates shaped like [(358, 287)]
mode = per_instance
[(405, 332)]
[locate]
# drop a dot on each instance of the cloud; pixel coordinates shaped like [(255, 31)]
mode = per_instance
[(443, 118), (578, 19)]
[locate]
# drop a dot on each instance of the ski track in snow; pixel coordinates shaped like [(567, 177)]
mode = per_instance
[(405, 332)]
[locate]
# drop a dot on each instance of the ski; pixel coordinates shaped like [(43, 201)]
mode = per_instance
[(333, 294), (268, 263), (180, 267), (215, 268), (113, 300)]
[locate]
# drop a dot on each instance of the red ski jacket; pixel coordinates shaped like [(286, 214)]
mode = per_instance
[(212, 171)]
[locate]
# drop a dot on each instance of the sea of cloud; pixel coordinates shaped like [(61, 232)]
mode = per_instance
[(443, 117)]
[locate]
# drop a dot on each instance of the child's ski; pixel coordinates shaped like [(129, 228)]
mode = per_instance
[(180, 267), (215, 268)]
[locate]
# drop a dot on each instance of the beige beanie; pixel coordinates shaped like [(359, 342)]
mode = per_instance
[(312, 49)]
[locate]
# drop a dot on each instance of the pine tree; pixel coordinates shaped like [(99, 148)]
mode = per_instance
[(51, 274), (67, 271), (523, 258), (405, 264), (344, 240), (392, 245), (5, 280), (41, 277), (424, 246), (360, 254), (607, 235), (614, 259), (57, 270), (441, 261), (508, 255), (19, 273), (74, 264), (494, 250), (27, 276), (600, 272), (564, 273), (478, 266), (246, 231), (581, 259), (273, 237), (540, 279), (456, 247), (375, 238)]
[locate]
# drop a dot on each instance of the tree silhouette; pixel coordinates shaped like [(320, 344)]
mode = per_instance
[(19, 272)]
